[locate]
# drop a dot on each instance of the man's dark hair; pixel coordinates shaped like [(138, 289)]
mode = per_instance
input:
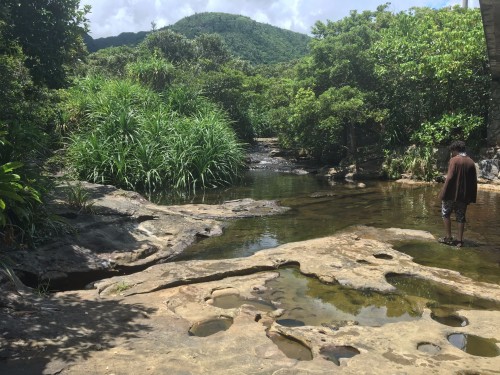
[(458, 146)]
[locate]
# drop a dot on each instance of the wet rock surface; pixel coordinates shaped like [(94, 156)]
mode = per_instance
[(124, 231), (144, 322), (266, 155)]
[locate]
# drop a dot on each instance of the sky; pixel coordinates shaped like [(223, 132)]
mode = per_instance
[(112, 17)]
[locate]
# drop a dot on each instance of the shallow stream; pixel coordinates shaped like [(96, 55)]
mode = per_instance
[(319, 209)]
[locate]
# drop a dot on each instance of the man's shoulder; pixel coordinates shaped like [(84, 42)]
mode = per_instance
[(462, 159)]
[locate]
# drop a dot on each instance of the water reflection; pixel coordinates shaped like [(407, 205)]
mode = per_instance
[(439, 296), (474, 345), (319, 209), (311, 302)]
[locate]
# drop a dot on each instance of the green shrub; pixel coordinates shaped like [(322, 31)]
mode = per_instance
[(416, 162), (17, 205), (204, 151)]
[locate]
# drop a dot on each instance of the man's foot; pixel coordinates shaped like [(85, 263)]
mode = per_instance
[(446, 240), (459, 244)]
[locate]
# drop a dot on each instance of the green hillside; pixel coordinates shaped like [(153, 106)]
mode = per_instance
[(253, 41)]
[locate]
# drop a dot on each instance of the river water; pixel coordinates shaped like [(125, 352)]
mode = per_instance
[(320, 209)]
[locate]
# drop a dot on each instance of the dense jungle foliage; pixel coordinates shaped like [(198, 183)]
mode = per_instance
[(245, 38), (175, 112)]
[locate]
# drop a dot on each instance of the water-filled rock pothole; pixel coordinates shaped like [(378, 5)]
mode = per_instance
[(211, 326), (474, 345), (290, 347), (451, 320), (290, 322), (362, 261), (335, 353), (429, 348)]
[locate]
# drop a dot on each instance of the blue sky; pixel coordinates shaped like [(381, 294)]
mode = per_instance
[(112, 17)]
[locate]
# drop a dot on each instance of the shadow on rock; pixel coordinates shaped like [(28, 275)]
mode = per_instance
[(40, 335)]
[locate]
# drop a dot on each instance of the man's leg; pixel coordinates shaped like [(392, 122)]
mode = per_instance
[(461, 227), (460, 210), (447, 227), (446, 208)]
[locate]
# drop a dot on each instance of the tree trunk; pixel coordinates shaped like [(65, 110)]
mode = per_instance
[(353, 145)]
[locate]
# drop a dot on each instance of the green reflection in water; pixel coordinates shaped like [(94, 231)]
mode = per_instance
[(474, 261), (308, 300), (232, 301), (439, 296), (474, 345)]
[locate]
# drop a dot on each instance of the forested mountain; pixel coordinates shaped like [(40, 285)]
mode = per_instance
[(253, 41), (127, 38)]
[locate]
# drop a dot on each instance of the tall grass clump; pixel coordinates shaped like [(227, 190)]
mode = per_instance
[(124, 134), (204, 151)]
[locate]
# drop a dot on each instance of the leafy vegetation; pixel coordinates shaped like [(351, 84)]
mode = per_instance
[(417, 163), (79, 198), (40, 44), (433, 66)]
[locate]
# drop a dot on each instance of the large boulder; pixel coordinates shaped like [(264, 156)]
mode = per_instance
[(489, 169)]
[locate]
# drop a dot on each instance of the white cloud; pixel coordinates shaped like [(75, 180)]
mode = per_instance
[(113, 17)]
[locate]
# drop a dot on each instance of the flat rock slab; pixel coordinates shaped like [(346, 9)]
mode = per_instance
[(359, 258), (141, 323), (122, 230)]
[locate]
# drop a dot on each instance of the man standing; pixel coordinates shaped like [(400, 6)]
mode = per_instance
[(460, 189)]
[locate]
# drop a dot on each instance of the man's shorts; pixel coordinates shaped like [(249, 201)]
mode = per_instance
[(459, 207)]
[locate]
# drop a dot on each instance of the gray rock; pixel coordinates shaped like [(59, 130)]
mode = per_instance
[(125, 230), (489, 169)]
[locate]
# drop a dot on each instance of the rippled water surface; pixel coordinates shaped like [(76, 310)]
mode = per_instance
[(319, 209)]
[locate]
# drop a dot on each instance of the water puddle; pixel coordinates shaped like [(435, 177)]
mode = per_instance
[(383, 256), (232, 301), (290, 347), (210, 327), (307, 301), (290, 322), (450, 320), (441, 299), (336, 353), (474, 345), (428, 348), (475, 260)]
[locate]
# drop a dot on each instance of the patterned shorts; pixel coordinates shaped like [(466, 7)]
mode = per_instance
[(459, 207)]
